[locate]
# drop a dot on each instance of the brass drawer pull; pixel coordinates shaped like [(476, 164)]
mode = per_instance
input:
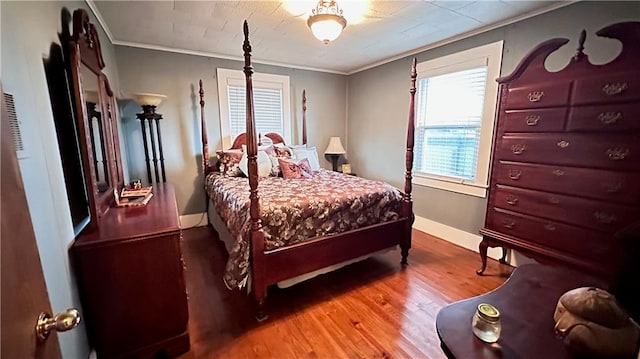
[(550, 227), (532, 120), (563, 144), (558, 173), (605, 218), (617, 154), (535, 96), (515, 174), (609, 118), (554, 200), (518, 149), (614, 88), (509, 223), (511, 199)]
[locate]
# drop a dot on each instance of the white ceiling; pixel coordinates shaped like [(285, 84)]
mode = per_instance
[(278, 31)]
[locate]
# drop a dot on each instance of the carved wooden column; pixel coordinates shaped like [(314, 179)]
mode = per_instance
[(150, 119)]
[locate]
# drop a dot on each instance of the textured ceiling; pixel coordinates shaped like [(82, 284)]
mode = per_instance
[(379, 32)]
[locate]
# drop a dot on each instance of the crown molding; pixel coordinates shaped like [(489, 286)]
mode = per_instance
[(220, 56), (101, 21), (467, 34)]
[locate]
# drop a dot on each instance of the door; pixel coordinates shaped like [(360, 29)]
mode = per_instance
[(23, 291)]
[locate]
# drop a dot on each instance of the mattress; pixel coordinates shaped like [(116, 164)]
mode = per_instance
[(295, 210)]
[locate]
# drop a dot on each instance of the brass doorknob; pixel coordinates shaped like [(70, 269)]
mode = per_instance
[(62, 322)]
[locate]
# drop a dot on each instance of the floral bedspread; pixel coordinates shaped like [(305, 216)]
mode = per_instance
[(294, 210)]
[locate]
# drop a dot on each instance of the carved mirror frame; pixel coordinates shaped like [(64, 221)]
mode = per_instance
[(98, 140)]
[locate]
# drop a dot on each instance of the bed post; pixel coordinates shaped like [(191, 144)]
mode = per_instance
[(407, 203), (205, 147), (205, 140), (257, 236), (304, 116)]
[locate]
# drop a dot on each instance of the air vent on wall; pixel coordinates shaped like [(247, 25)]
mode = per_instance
[(15, 126)]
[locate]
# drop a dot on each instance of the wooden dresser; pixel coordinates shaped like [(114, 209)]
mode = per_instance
[(565, 175), (130, 275)]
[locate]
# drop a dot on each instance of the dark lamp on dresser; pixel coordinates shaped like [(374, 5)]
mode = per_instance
[(334, 150), (150, 119)]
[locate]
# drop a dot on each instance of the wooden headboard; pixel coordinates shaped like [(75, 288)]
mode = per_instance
[(241, 139)]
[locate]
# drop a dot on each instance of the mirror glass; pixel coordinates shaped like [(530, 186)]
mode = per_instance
[(91, 94), (112, 116)]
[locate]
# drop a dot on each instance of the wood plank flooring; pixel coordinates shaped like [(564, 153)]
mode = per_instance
[(371, 309)]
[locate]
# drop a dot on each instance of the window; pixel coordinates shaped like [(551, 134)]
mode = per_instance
[(271, 103), (456, 104)]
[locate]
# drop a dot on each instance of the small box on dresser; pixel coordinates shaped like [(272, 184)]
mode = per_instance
[(130, 274), (565, 174)]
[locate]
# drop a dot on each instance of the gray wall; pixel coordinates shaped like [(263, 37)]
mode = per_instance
[(28, 30), (176, 76), (379, 99)]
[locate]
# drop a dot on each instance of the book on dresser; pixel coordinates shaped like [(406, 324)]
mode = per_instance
[(133, 197), (565, 175)]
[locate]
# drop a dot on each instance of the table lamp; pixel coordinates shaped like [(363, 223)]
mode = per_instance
[(334, 150)]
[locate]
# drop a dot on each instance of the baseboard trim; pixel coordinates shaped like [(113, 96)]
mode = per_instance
[(193, 220), (453, 235)]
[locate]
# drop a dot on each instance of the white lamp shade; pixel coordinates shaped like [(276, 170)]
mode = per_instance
[(335, 147), (148, 99)]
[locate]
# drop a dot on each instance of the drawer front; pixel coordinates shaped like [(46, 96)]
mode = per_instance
[(539, 95), (598, 215), (622, 117), (598, 184), (543, 120), (563, 237), (620, 152), (608, 88)]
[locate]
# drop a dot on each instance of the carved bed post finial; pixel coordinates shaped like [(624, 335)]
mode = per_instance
[(407, 203), (205, 140), (579, 51), (304, 116)]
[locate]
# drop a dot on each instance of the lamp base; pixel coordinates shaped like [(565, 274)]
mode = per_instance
[(334, 162)]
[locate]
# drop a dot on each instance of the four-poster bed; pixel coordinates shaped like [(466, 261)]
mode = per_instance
[(347, 218)]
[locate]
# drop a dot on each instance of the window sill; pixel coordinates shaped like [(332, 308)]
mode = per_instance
[(452, 185)]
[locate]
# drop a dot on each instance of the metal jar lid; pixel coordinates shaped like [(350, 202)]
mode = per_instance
[(488, 312)]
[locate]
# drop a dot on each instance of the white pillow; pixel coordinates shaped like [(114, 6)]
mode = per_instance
[(310, 153), (264, 164)]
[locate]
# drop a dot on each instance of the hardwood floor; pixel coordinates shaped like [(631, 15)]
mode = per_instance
[(371, 309)]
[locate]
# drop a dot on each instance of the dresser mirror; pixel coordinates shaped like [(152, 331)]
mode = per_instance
[(96, 122), (91, 94)]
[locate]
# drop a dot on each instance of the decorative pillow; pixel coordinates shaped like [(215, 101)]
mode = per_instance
[(280, 153), (310, 153), (229, 161), (292, 169), (283, 152), (264, 164)]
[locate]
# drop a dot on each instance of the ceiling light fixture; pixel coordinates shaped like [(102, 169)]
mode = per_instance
[(326, 22)]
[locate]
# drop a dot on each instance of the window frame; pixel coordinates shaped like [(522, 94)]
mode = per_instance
[(491, 56), (260, 80)]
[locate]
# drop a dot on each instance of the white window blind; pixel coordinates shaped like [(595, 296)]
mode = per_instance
[(271, 104), (449, 121), (455, 110), (267, 105)]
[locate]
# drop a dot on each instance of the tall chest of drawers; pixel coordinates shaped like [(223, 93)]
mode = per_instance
[(565, 175)]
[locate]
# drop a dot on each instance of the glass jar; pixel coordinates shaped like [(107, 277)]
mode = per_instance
[(486, 323)]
